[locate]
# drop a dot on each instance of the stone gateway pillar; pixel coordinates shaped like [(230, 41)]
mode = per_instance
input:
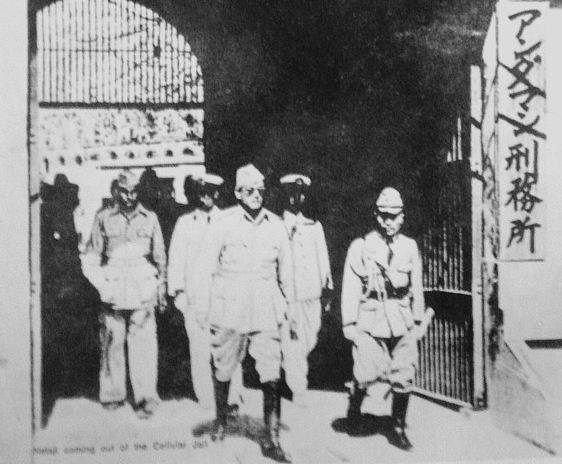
[(15, 381)]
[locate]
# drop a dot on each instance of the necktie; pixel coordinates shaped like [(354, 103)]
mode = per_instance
[(390, 252)]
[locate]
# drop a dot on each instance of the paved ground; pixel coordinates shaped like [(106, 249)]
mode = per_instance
[(546, 362), (79, 428)]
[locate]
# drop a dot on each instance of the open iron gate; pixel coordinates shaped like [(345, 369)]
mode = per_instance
[(446, 368)]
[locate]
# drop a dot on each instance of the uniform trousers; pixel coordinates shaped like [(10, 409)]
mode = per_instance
[(200, 363), (228, 349), (307, 315), (393, 359), (138, 329)]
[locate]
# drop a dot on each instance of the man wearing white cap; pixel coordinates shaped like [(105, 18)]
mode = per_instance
[(313, 279), (382, 303), (185, 248), (245, 293), (126, 262)]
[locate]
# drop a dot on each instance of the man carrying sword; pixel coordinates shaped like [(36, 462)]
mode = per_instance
[(383, 309)]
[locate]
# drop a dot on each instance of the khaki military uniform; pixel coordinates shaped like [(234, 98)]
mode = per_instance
[(382, 294), (312, 274), (244, 287), (126, 262)]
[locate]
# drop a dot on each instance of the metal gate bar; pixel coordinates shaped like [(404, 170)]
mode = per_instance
[(445, 353), (113, 51)]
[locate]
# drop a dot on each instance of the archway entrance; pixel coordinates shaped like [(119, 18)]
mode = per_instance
[(116, 86)]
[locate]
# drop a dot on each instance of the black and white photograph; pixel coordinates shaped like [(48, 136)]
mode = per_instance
[(240, 231)]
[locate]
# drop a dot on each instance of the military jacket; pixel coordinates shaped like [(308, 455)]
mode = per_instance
[(382, 289), (185, 248), (310, 256), (245, 272), (125, 259)]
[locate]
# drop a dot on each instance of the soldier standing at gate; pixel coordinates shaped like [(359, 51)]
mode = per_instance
[(382, 305), (313, 280), (126, 262), (245, 293), (185, 249)]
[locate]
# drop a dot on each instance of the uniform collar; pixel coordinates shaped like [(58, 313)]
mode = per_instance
[(212, 213), (289, 218), (139, 209), (214, 210), (264, 214), (376, 235)]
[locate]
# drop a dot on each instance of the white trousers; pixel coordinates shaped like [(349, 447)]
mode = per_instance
[(295, 352), (138, 328)]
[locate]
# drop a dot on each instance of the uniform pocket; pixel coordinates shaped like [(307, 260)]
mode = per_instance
[(148, 282), (144, 232), (371, 314), (114, 229), (270, 251), (233, 252), (114, 285), (144, 237)]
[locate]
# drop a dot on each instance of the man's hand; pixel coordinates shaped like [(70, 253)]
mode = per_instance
[(420, 327), (162, 302), (417, 330), (290, 320), (350, 332)]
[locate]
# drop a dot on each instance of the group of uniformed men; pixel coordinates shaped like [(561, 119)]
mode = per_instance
[(247, 280)]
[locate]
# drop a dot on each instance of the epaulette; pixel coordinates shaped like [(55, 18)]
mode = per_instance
[(104, 212), (272, 215)]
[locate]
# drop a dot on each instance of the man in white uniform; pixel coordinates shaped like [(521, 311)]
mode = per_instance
[(313, 280), (185, 249)]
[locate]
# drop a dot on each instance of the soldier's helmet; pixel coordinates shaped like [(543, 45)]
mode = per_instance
[(390, 201)]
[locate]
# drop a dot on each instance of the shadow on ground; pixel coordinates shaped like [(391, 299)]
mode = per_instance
[(367, 425), (243, 426)]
